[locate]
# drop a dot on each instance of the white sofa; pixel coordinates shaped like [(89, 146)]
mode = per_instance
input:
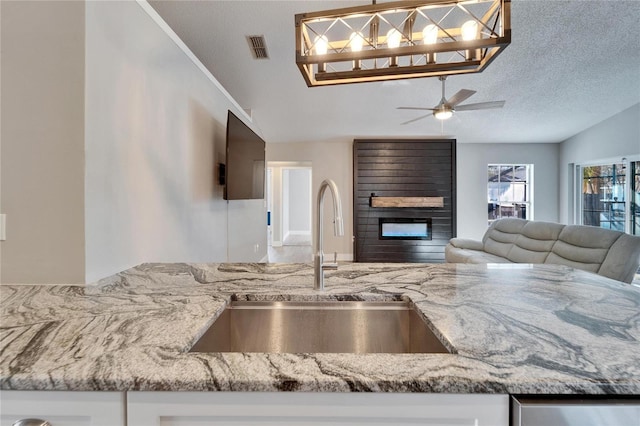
[(608, 253)]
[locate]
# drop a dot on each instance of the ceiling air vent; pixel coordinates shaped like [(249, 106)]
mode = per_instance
[(258, 46)]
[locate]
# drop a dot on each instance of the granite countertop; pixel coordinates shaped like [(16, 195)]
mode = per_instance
[(527, 329)]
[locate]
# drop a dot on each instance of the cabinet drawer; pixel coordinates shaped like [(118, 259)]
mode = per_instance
[(300, 408), (64, 408)]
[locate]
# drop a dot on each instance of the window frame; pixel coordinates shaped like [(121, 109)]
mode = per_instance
[(528, 191), (628, 188)]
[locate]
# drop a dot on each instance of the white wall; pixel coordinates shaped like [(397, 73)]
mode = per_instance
[(296, 202), (300, 201), (613, 138), (291, 188), (472, 161), (247, 237), (105, 78), (276, 213), (286, 198), (42, 137), (329, 160), (155, 133)]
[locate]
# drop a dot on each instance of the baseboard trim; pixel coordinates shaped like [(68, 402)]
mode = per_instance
[(344, 257)]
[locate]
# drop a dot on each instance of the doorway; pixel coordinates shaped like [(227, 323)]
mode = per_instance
[(610, 195), (289, 205)]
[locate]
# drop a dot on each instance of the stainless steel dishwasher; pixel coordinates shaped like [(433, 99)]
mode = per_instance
[(561, 411)]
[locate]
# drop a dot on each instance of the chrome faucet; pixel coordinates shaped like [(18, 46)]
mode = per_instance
[(338, 229)]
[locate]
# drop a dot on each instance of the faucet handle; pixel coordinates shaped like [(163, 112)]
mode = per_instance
[(335, 257)]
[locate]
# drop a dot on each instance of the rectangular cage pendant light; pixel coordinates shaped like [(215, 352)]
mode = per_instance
[(402, 39)]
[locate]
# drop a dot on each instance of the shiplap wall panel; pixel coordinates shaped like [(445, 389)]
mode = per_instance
[(403, 168)]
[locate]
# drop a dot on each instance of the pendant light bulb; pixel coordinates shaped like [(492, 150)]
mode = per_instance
[(321, 44), (430, 34), (393, 38), (356, 41), (469, 30)]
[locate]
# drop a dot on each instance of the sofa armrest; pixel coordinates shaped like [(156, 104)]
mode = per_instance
[(465, 243), (623, 259)]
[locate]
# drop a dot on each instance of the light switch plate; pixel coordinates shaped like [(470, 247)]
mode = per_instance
[(3, 227)]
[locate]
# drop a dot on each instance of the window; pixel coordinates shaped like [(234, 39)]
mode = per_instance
[(509, 191), (603, 196), (605, 190), (635, 200)]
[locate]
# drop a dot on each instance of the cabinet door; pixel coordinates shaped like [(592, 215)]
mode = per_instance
[(299, 408), (64, 408)]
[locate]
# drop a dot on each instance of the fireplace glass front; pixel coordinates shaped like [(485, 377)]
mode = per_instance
[(404, 228)]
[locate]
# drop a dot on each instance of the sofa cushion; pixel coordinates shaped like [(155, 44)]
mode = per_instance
[(454, 254), (484, 257), (465, 243), (583, 247), (501, 236), (535, 241)]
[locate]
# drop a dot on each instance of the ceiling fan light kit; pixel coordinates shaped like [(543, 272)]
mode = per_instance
[(443, 113), (445, 109), (402, 39)]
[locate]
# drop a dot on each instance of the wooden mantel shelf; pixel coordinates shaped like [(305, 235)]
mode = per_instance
[(407, 201)]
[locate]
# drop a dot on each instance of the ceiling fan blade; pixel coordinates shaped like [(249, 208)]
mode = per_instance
[(417, 108), (480, 105), (416, 119), (461, 96)]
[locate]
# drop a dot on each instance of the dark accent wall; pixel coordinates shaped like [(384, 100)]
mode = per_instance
[(403, 168)]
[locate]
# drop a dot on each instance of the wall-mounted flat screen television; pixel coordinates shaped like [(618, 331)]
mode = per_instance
[(245, 168)]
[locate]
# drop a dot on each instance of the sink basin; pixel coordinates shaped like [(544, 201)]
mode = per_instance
[(320, 327)]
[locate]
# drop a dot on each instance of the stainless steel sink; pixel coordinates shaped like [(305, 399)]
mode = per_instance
[(320, 327)]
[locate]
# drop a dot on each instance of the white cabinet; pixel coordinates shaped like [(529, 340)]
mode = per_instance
[(63, 408), (252, 408), (300, 408)]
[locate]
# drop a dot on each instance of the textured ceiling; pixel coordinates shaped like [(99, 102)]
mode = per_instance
[(571, 64)]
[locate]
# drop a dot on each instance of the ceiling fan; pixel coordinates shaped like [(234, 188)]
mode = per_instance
[(446, 108)]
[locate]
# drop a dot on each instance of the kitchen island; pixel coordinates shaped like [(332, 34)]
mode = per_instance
[(512, 329)]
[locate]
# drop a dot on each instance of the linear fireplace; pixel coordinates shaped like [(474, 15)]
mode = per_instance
[(404, 199), (404, 228)]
